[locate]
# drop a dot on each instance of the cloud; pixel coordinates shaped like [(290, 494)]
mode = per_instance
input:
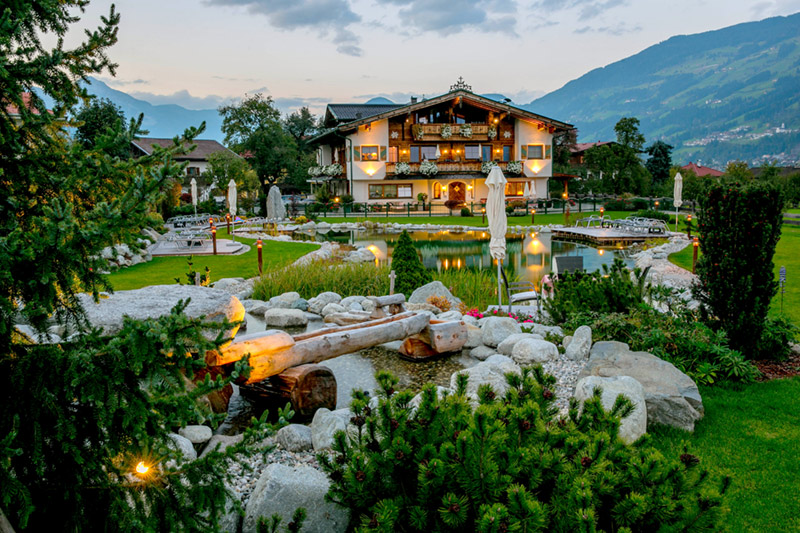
[(229, 78), (108, 80), (619, 29), (453, 16), (587, 9), (182, 98), (330, 16)]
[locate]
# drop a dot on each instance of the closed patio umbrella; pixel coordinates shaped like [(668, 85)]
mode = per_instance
[(498, 224), (677, 192), (193, 185), (232, 198), (527, 192)]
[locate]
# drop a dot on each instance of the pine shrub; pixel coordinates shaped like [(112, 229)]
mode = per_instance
[(509, 464), (411, 273), (739, 225)]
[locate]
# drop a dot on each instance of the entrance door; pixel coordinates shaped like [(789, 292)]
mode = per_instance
[(457, 192)]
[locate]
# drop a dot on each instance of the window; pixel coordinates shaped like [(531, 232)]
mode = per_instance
[(393, 154), (515, 188), (487, 153), (381, 191), (437, 191), (506, 153), (428, 152), (472, 152), (192, 171), (535, 151), (414, 154), (369, 153)]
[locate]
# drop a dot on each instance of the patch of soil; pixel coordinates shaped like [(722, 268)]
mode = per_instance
[(780, 369)]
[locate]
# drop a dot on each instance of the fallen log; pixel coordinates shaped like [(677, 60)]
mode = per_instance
[(436, 339), (306, 387), (346, 319), (274, 351)]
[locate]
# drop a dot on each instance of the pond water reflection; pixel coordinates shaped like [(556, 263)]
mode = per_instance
[(529, 255)]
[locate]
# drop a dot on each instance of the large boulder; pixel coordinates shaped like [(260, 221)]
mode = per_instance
[(157, 300), (577, 349), (332, 308), (282, 489), (671, 396), (495, 330), (318, 303), (507, 346), (256, 307), (284, 301), (482, 353), (528, 352), (284, 318), (295, 438), (491, 372), (324, 426), (434, 288), (474, 337), (220, 443), (635, 424), (196, 434), (183, 445)]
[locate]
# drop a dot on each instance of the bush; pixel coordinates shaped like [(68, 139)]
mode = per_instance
[(778, 333), (347, 199), (640, 204), (440, 302), (466, 212), (614, 290), (509, 465), (739, 226), (407, 266), (652, 213), (618, 205)]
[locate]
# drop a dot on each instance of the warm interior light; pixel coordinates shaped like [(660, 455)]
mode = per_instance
[(519, 193), (142, 468), (444, 151), (469, 187), (370, 171), (495, 121), (404, 151), (444, 188)]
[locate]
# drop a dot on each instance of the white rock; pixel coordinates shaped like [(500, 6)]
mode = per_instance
[(474, 337), (221, 442), (185, 446), (543, 330), (635, 425), (295, 438), (507, 346), (531, 351), (495, 330), (346, 302), (284, 301), (226, 284), (196, 434), (316, 304), (323, 427), (434, 288), (469, 319), (332, 308), (482, 352), (282, 489), (256, 307), (283, 318), (450, 315), (581, 343), (491, 372)]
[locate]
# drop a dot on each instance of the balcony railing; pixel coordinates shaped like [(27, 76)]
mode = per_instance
[(447, 167), (433, 132)]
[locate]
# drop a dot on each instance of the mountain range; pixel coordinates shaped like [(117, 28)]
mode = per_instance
[(716, 96)]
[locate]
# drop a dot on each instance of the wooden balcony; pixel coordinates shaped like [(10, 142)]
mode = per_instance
[(446, 167), (433, 132)]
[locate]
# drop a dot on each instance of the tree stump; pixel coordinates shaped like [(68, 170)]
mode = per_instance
[(306, 387), (217, 400)]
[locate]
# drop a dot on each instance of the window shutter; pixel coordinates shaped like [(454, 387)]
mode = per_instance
[(383, 153), (356, 153), (523, 151), (547, 151)]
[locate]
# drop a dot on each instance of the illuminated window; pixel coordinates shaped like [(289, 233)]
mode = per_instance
[(393, 154), (437, 191), (369, 153), (535, 151), (515, 188), (381, 191)]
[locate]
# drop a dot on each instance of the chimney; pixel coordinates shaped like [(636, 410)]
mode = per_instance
[(413, 99)]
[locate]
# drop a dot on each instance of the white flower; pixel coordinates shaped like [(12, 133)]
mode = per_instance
[(514, 167), (315, 171), (428, 168), (487, 166), (446, 132), (402, 168), (466, 131), (332, 170), (492, 133)]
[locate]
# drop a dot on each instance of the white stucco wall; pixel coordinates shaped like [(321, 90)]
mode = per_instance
[(377, 135), (324, 155), (529, 133)]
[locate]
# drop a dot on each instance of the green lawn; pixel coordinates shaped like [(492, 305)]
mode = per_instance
[(541, 219), (751, 434), (164, 270), (787, 254)]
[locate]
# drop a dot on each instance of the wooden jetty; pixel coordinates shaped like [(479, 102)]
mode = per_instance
[(601, 236)]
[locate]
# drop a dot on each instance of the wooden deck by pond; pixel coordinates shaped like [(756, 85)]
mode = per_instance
[(602, 236)]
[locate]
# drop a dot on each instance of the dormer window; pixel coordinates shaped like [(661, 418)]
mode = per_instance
[(369, 153)]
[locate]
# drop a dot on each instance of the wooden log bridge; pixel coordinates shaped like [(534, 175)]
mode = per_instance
[(271, 352)]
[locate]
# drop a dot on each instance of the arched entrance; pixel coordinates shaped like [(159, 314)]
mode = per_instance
[(457, 192)]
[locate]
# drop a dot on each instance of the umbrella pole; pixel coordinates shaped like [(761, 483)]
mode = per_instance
[(499, 286), (676, 220)]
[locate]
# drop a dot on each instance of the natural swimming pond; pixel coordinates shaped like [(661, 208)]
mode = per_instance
[(529, 255)]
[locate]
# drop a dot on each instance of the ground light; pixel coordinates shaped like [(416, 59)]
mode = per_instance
[(533, 216), (696, 244), (689, 226), (142, 469), (214, 237), (259, 243)]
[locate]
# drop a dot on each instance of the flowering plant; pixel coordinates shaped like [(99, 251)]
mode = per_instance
[(487, 166), (514, 167), (315, 171), (446, 132), (466, 131), (402, 168), (332, 170), (475, 313), (492, 133), (428, 168), (416, 130)]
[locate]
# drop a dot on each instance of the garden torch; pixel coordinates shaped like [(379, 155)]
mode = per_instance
[(214, 237), (260, 260), (689, 226), (696, 244)]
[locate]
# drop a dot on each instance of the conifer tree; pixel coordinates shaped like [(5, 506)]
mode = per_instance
[(408, 268), (84, 423)]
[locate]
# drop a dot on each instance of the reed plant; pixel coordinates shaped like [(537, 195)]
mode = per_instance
[(364, 279), (476, 288)]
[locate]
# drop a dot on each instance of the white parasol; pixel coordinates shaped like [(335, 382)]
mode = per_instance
[(496, 215), (527, 192), (438, 153), (193, 185), (232, 198), (677, 192)]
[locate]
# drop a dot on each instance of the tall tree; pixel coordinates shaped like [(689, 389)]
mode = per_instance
[(253, 129), (77, 416), (563, 143), (301, 125), (659, 162), (102, 126), (631, 174), (628, 134)]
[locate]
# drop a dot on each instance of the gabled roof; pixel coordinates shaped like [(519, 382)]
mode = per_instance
[(701, 170), (205, 147), (338, 113), (582, 147), (13, 109), (467, 96)]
